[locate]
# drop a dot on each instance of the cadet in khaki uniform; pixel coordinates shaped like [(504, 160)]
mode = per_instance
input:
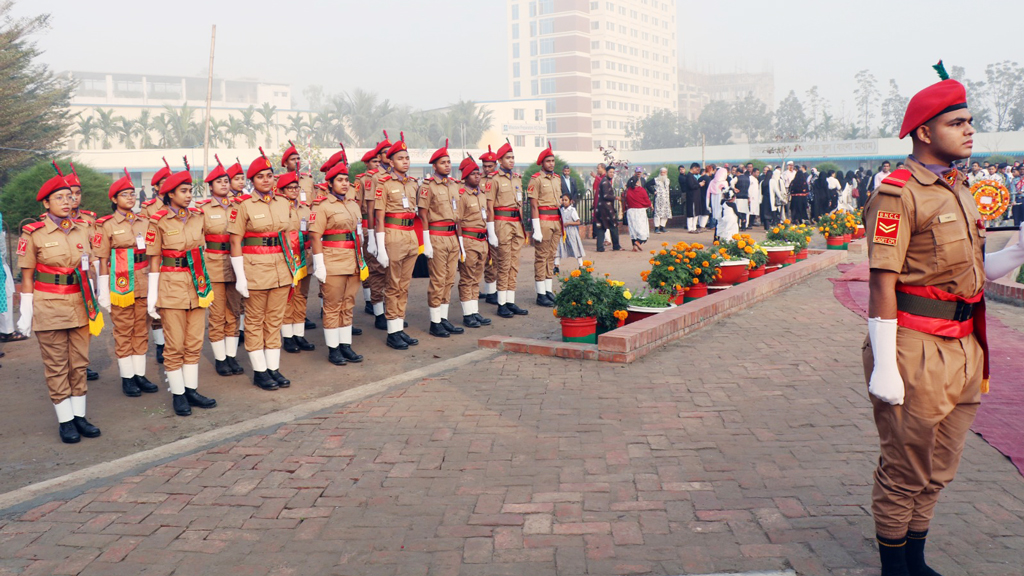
[(472, 219), (150, 207), (263, 273), (123, 284), (227, 304), (89, 217), (397, 246), (489, 291), (925, 360), (366, 185), (438, 205), (292, 162), (179, 289), (504, 194), (54, 259), (336, 232), (293, 329), (544, 192)]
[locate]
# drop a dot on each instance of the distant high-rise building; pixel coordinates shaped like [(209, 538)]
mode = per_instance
[(597, 65), (697, 89)]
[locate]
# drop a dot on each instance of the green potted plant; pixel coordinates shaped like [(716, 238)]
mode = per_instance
[(577, 304)]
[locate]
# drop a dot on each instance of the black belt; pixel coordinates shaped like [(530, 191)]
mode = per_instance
[(929, 308), (172, 262)]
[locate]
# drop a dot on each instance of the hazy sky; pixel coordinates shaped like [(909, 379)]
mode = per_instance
[(430, 53)]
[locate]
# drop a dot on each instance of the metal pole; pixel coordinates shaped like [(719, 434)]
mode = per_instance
[(209, 98)]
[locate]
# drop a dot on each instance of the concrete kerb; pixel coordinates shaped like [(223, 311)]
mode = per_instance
[(75, 482)]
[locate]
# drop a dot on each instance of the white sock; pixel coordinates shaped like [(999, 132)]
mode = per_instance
[(510, 296), (273, 356), (549, 284), (241, 322), (231, 346), (299, 329), (501, 297), (467, 307), (287, 330), (580, 260), (219, 350), (435, 315), (444, 311), (158, 336), (64, 411), (378, 308), (540, 286), (490, 287), (126, 367), (702, 221), (78, 406), (557, 261), (366, 294), (191, 374), (396, 325), (344, 334), (176, 381), (331, 337), (139, 363), (258, 360)]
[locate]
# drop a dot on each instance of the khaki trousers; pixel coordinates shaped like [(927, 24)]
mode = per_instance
[(491, 265), (377, 279), (922, 440), (131, 329), (545, 251), (183, 336), (403, 249), (339, 299), (65, 355), (472, 270), (510, 242), (264, 314), (224, 311), (296, 312), (442, 269)]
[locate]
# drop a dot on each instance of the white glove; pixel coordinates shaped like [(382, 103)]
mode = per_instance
[(492, 237), (151, 297), (428, 250), (241, 284), (25, 321), (319, 268), (538, 235), (382, 252), (462, 250), (886, 383), (103, 284), (999, 264), (371, 245), (359, 229)]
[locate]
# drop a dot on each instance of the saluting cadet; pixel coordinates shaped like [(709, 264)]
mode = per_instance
[(119, 243), (488, 163), (260, 226), (150, 207), (926, 359), (54, 258), (397, 245), (293, 330), (472, 219), (179, 289), (227, 304), (544, 191), (438, 205), (336, 233), (377, 164), (505, 227)]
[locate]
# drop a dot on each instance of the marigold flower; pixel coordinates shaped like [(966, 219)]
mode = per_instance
[(786, 221), (705, 264), (591, 270), (741, 244), (671, 268), (715, 243), (697, 271), (588, 263), (555, 312), (575, 273), (662, 283), (696, 281), (664, 244), (735, 236), (663, 253), (590, 302), (627, 294)]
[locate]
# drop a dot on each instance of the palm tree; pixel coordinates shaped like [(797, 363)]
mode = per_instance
[(184, 130), (87, 129), (321, 125), (144, 124), (298, 125), (106, 122), (251, 127), (365, 115), (162, 126), (219, 132), (269, 124), (236, 128), (465, 117), (126, 130)]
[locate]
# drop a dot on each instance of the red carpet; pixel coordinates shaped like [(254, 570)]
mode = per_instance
[(1000, 421)]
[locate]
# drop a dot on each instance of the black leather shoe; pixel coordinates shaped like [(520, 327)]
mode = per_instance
[(180, 403), (310, 325), (357, 331), (334, 356), (396, 341), (516, 309), (483, 321), (90, 375), (408, 339), (304, 344), (235, 368), (223, 368), (130, 388), (550, 295), (504, 312), (436, 330), (263, 381), (69, 433), (349, 354), (470, 321), (290, 345), (556, 270), (281, 381), (145, 385), (451, 328), (405, 324), (159, 353), (85, 428), (380, 322), (482, 296), (198, 400), (492, 299), (542, 300), (368, 309)]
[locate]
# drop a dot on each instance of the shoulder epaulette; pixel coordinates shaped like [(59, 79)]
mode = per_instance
[(43, 215), (32, 227), (535, 175), (142, 216), (492, 174), (385, 178), (80, 220), (280, 195), (243, 197), (159, 214), (462, 190), (517, 175), (196, 210), (372, 171), (898, 178), (319, 199), (428, 178), (87, 213), (361, 174), (204, 202), (301, 203), (104, 218), (150, 201)]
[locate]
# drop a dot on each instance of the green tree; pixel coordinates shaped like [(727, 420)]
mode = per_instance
[(865, 96), (366, 115), (467, 118), (790, 119), (86, 129), (126, 130), (145, 124), (893, 108), (269, 114), (659, 129), (34, 113), (715, 123), (298, 126), (577, 180), (251, 125), (18, 200), (815, 104), (1003, 94), (975, 92), (107, 123), (184, 132), (751, 117)]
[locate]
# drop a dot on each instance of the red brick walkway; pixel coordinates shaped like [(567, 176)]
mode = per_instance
[(747, 446)]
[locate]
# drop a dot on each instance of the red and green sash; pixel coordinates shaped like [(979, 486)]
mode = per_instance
[(295, 262), (364, 270), (196, 264), (91, 309), (122, 277)]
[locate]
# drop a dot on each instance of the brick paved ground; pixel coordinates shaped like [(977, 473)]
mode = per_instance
[(747, 446)]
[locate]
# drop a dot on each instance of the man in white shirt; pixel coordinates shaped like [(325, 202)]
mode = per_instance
[(883, 173)]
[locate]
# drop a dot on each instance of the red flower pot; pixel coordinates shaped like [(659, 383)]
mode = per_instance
[(834, 243), (770, 269), (847, 238), (778, 256), (859, 233), (696, 291), (583, 330), (756, 272), (790, 260), (678, 297), (802, 255)]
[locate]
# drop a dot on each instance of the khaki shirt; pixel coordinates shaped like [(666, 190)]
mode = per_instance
[(505, 190), (928, 232), (272, 214), (545, 189), (306, 185), (123, 231), (168, 231), (472, 209), (46, 243), (440, 197), (393, 195), (152, 206), (215, 222), (331, 213), (366, 184)]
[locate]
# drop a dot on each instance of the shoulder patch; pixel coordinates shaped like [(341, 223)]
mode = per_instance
[(32, 227), (97, 239), (887, 228), (87, 213), (159, 214), (425, 191), (898, 178), (22, 246), (204, 202), (104, 218)]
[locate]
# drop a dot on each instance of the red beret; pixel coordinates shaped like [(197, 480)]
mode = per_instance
[(505, 149), (161, 174), (488, 156), (339, 169), (175, 180), (234, 170), (52, 185), (286, 179), (289, 152), (258, 165), (217, 172), (398, 146), (72, 179), (934, 100), (439, 153), (382, 146), (121, 185), (322, 186), (544, 154), (338, 156), (467, 166), (370, 155)]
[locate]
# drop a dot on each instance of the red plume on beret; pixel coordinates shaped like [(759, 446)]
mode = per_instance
[(72, 179), (939, 98), (397, 146), (120, 185), (488, 156), (467, 166), (258, 165), (439, 153), (217, 172), (161, 173), (505, 149)]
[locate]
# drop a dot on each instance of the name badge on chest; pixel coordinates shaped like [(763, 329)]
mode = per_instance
[(173, 232), (405, 202)]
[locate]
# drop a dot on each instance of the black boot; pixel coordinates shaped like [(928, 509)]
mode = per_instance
[(310, 325), (68, 432), (263, 381), (281, 381), (290, 345), (303, 344), (556, 270), (180, 404), (159, 353), (357, 331), (198, 400), (408, 339), (90, 375), (470, 321), (543, 300), (85, 428), (396, 341), (235, 368), (893, 555), (380, 322), (145, 385), (483, 321), (492, 298), (551, 296), (451, 328), (916, 565), (516, 309), (349, 354), (335, 357), (504, 312), (437, 330), (223, 368), (130, 388), (368, 309)]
